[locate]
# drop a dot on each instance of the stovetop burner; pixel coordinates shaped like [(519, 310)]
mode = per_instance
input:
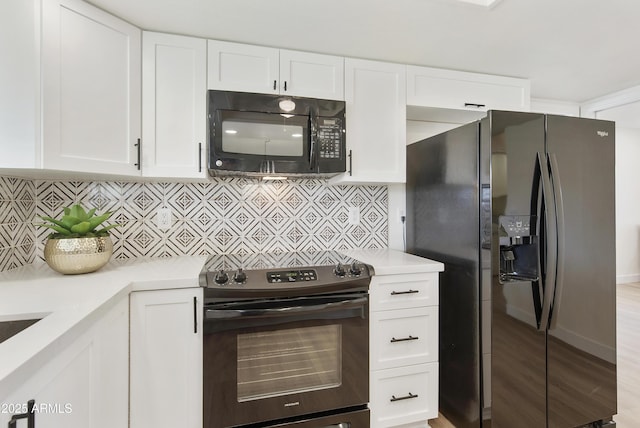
[(235, 276)]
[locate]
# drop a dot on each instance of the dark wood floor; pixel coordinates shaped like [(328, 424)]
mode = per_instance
[(628, 369)]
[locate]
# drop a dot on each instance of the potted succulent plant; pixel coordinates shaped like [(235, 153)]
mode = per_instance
[(78, 243)]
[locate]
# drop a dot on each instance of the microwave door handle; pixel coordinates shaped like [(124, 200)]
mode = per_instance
[(313, 131)]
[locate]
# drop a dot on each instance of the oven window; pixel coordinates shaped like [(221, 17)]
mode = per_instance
[(286, 361), (263, 134)]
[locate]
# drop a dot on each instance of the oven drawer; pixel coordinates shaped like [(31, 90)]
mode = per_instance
[(354, 419), (403, 337), (404, 395), (389, 292)]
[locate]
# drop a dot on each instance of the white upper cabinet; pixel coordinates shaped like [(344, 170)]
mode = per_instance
[(375, 100), (311, 75), (248, 68), (434, 87), (242, 68), (174, 114), (20, 84), (91, 89)]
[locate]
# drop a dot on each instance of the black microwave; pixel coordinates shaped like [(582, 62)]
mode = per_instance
[(272, 135)]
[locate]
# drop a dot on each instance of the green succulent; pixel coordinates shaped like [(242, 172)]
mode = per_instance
[(78, 223)]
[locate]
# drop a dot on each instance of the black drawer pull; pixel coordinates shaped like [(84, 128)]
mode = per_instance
[(397, 293), (406, 397), (404, 339), (474, 105), (30, 416)]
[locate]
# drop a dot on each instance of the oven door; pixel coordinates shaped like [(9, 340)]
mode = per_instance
[(276, 360)]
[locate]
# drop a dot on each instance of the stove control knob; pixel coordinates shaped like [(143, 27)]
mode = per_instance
[(339, 270), (355, 269), (221, 277), (240, 277)]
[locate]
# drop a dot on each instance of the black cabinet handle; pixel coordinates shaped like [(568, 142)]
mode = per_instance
[(396, 293), (274, 85), (474, 105), (138, 147), (199, 157), (406, 397), (350, 163), (30, 416), (285, 86), (195, 314), (404, 339)]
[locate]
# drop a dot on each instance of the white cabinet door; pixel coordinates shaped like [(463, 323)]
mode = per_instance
[(404, 337), (311, 75), (20, 84), (91, 89), (86, 383), (433, 87), (174, 114), (404, 395), (166, 359), (242, 68), (248, 68), (403, 291), (375, 96)]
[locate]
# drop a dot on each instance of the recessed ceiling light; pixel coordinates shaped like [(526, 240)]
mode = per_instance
[(296, 135), (485, 3), (231, 131)]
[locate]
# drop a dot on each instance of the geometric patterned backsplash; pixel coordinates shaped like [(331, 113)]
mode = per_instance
[(17, 209), (222, 216)]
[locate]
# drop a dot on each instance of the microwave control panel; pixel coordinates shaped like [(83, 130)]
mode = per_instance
[(329, 138)]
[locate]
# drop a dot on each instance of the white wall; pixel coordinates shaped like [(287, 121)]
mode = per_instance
[(627, 118)]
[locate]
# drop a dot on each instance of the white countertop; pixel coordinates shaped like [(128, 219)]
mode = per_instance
[(392, 262), (69, 304)]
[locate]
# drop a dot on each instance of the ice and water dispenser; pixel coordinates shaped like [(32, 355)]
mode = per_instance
[(518, 248)]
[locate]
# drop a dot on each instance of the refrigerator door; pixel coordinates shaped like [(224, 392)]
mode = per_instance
[(582, 326), (518, 372)]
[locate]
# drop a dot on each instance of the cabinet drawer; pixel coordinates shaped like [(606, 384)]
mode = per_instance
[(431, 87), (404, 395), (403, 291), (403, 337)]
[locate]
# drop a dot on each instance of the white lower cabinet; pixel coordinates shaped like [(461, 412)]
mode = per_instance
[(85, 384), (404, 349), (166, 359)]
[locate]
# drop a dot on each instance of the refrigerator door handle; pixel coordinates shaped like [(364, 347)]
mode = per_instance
[(537, 288), (548, 244), (559, 271)]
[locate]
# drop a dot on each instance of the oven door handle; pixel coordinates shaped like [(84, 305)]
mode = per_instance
[(225, 314)]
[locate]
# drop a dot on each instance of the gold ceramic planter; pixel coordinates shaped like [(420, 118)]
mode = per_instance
[(78, 255)]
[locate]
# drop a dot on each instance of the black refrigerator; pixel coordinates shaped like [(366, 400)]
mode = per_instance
[(520, 207)]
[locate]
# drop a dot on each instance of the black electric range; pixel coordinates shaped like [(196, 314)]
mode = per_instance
[(288, 274)]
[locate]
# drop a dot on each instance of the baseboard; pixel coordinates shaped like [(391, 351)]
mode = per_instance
[(626, 279)]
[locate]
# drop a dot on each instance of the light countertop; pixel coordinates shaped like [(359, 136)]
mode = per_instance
[(392, 262), (69, 304)]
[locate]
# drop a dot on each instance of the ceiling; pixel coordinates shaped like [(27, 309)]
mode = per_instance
[(571, 50)]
